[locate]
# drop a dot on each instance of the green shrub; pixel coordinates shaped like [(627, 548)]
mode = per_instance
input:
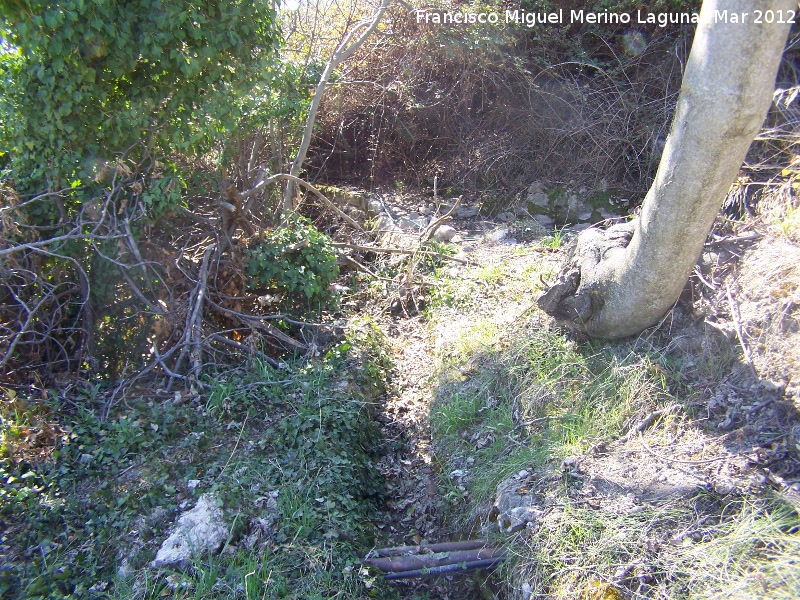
[(83, 81), (296, 261)]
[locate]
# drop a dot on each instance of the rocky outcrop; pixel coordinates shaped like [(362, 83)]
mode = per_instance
[(565, 206), (198, 531)]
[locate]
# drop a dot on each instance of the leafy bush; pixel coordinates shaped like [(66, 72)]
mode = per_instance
[(81, 81), (296, 261), (80, 496)]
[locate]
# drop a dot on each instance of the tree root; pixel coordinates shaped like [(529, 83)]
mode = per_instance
[(576, 296)]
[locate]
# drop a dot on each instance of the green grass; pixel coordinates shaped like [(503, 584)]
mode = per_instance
[(107, 490), (556, 240), (514, 395), (573, 394)]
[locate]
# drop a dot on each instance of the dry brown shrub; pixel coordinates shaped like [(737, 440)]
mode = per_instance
[(498, 107)]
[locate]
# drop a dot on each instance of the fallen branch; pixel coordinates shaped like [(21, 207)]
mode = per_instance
[(350, 260), (646, 422), (380, 249), (270, 329), (431, 229), (280, 176), (233, 344), (737, 325)]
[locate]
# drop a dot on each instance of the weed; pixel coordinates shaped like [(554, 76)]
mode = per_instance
[(556, 240), (109, 488)]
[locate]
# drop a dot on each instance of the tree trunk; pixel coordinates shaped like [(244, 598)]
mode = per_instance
[(622, 280)]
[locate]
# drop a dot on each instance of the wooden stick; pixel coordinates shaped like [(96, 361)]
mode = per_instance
[(379, 249), (229, 342), (279, 176), (430, 229), (737, 325), (427, 548)]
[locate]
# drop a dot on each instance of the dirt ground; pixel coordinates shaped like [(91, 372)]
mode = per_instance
[(739, 435)]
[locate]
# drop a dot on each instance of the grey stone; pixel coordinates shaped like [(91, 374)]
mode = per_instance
[(573, 203), (506, 217), (444, 233), (515, 506), (585, 215), (535, 187), (544, 220), (539, 199), (197, 531), (466, 212)]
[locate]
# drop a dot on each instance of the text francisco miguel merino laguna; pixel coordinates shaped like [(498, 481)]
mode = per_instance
[(532, 19)]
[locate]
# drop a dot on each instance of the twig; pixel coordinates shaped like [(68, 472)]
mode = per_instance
[(273, 331), (360, 267), (676, 460), (646, 422), (709, 285), (222, 339), (522, 424), (234, 449), (431, 229), (379, 249), (737, 324), (305, 184)]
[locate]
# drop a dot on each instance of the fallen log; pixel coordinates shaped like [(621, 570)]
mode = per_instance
[(433, 559), (436, 571)]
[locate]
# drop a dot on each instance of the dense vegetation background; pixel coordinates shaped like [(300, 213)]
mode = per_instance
[(165, 318)]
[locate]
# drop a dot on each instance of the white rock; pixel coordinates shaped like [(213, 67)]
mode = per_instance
[(496, 236), (445, 233), (200, 530)]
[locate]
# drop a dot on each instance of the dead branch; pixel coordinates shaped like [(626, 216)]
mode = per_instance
[(263, 324), (646, 422), (737, 325), (342, 53), (380, 249), (281, 176), (233, 344), (431, 229)]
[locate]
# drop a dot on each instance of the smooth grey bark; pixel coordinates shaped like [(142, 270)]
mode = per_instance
[(620, 281)]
